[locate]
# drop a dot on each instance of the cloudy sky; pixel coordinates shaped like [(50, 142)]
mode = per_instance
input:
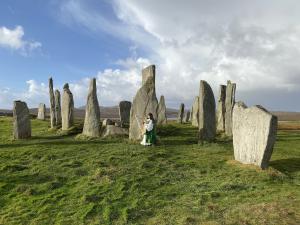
[(253, 43)]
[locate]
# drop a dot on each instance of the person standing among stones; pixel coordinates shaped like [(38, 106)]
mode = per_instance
[(149, 137)]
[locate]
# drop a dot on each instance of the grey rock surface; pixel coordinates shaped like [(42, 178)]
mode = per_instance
[(186, 118), (229, 104), (41, 112), (106, 122), (91, 127), (57, 108), (144, 102), (180, 113), (52, 103), (207, 113), (124, 112), (254, 134), (112, 131), (195, 112), (21, 121), (67, 109), (221, 109), (161, 111)]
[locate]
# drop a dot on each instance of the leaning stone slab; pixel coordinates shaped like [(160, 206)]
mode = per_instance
[(207, 113), (41, 112), (57, 108), (254, 134), (21, 121), (161, 111), (91, 127), (229, 104), (67, 109), (195, 112), (221, 109), (180, 113), (124, 112), (52, 103), (144, 102)]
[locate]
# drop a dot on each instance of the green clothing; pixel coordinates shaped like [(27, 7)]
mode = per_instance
[(151, 136)]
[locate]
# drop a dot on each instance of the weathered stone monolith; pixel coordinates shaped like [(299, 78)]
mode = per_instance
[(254, 134), (144, 102), (41, 112), (207, 113), (161, 111), (124, 112), (195, 112), (107, 122), (229, 104), (221, 109), (91, 127), (180, 113), (186, 118), (67, 108), (21, 121), (52, 103), (57, 108)]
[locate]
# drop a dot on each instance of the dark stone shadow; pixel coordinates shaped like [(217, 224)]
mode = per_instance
[(290, 165)]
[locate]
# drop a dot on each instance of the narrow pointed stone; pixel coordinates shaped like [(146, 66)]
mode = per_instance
[(52, 103), (67, 108), (162, 111), (195, 112), (221, 109), (229, 104), (180, 113), (57, 108)]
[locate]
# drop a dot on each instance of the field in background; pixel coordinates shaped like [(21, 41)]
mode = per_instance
[(55, 179)]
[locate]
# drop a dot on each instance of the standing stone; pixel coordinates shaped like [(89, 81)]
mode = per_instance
[(162, 111), (124, 112), (254, 134), (186, 116), (144, 102), (41, 112), (221, 109), (195, 112), (180, 113), (91, 126), (229, 104), (21, 121), (207, 113), (57, 108), (52, 103), (67, 108)]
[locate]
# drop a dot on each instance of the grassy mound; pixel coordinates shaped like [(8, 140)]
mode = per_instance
[(54, 178)]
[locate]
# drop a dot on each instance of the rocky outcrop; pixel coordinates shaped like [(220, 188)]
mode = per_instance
[(144, 102), (207, 113), (254, 134), (21, 121), (91, 127), (67, 108)]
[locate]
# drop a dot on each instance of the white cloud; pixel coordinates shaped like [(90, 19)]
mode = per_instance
[(13, 39)]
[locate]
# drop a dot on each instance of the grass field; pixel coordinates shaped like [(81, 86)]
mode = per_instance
[(56, 179)]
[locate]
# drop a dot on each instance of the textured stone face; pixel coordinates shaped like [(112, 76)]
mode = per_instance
[(41, 112), (144, 102), (186, 116), (91, 126), (229, 104), (195, 112), (111, 131), (221, 109), (207, 113), (52, 104), (162, 111), (67, 108), (254, 134), (57, 108), (180, 113), (21, 121), (106, 122), (124, 112)]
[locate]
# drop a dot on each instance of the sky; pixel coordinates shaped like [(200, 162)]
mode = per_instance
[(255, 44)]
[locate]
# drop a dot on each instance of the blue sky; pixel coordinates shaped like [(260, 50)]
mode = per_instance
[(254, 44)]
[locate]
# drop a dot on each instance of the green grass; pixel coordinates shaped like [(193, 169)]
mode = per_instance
[(57, 179)]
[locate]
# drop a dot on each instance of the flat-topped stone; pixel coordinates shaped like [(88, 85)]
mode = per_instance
[(41, 112)]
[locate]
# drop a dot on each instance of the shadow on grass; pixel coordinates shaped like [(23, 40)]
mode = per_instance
[(290, 165)]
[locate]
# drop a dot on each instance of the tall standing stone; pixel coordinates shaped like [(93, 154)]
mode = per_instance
[(21, 120), (124, 112), (91, 126), (229, 104), (254, 134), (186, 116), (221, 110), (162, 111), (195, 112), (180, 113), (67, 108), (41, 112), (207, 113), (57, 108), (144, 102), (52, 103)]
